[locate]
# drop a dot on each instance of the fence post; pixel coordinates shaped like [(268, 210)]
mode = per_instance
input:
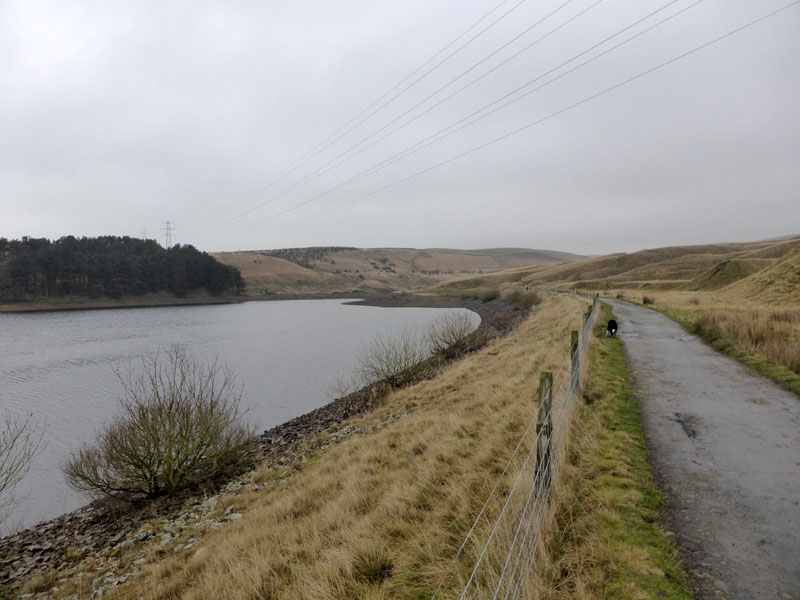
[(574, 360), (544, 427)]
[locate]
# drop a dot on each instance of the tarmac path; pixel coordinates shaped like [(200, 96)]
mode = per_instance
[(725, 444)]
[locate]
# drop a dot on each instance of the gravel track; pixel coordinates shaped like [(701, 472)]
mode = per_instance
[(725, 444)]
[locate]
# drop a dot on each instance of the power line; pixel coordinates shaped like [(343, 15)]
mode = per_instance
[(443, 100), (324, 167), (449, 130), (465, 122), (556, 113), (360, 118)]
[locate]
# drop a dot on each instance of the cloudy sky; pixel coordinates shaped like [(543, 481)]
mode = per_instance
[(584, 125)]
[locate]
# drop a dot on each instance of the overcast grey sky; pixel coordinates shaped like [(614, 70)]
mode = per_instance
[(117, 116)]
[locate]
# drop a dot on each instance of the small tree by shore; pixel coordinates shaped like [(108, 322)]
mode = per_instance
[(403, 357), (180, 424), (395, 359), (451, 334), (20, 441)]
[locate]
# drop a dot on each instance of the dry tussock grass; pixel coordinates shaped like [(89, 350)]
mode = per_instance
[(722, 319), (380, 515), (775, 334)]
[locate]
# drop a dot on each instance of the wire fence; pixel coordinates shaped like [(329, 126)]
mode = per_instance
[(503, 547)]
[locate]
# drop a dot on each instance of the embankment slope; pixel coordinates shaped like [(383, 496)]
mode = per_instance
[(377, 505)]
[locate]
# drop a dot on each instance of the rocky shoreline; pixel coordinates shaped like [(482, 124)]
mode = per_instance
[(114, 541)]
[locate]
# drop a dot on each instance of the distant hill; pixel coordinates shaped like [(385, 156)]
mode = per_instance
[(108, 266), (318, 270), (779, 283), (764, 270)]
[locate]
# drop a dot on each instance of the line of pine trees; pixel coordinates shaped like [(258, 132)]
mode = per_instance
[(107, 266)]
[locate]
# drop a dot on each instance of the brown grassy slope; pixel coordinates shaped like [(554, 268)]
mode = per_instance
[(779, 283), (374, 270), (705, 267), (727, 272), (262, 271), (380, 515)]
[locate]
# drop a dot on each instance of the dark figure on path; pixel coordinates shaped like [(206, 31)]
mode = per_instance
[(612, 328)]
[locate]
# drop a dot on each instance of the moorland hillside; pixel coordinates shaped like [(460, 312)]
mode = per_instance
[(325, 270), (761, 271)]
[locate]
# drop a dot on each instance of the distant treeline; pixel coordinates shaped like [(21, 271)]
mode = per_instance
[(107, 266), (305, 256)]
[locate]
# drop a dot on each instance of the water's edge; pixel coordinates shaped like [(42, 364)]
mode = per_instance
[(98, 525), (402, 300)]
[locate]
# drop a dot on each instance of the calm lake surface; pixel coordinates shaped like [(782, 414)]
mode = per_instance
[(60, 366)]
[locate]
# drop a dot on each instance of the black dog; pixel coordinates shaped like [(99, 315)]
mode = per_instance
[(612, 328)]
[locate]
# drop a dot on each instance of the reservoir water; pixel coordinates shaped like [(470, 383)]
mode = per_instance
[(59, 366)]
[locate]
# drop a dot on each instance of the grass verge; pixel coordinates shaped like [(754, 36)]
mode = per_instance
[(609, 541), (762, 340)]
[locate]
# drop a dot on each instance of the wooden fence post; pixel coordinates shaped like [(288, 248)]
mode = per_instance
[(574, 360), (544, 427)]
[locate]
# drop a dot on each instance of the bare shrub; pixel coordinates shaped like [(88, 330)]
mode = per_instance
[(501, 322), (20, 441), (489, 295), (179, 425), (395, 359), (451, 334), (530, 300), (648, 300), (514, 296), (344, 386)]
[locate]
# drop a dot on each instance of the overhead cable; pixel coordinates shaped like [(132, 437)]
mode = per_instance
[(382, 102), (324, 167), (553, 114), (466, 122)]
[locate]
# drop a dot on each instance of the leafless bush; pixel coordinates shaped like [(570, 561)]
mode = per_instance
[(344, 386), (20, 440), (489, 295), (450, 335), (180, 424), (530, 300), (395, 359), (648, 300)]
